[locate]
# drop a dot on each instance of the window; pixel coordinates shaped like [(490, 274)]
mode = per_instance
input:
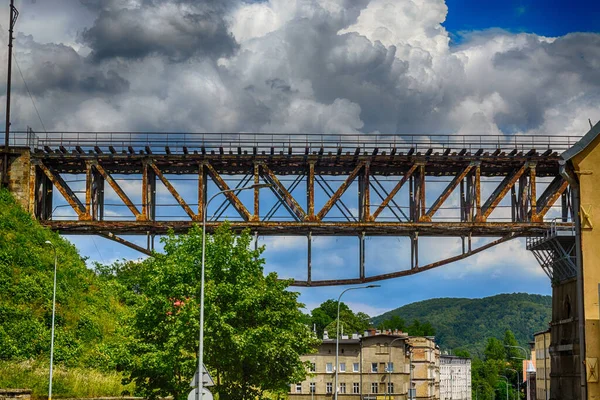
[(312, 387), (355, 367), (355, 388), (391, 387), (329, 367), (374, 387), (342, 367), (374, 369), (390, 367), (329, 387), (342, 387), (313, 367), (298, 388)]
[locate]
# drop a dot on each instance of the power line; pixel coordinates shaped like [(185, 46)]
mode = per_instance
[(29, 93)]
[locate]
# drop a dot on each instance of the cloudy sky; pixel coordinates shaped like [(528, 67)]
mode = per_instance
[(336, 66)]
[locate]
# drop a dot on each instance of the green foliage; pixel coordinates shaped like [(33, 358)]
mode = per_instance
[(467, 323), (88, 312), (254, 331)]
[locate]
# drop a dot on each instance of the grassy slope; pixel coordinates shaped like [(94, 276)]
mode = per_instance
[(88, 312), (467, 323)]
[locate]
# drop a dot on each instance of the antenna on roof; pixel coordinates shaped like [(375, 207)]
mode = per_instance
[(590, 121)]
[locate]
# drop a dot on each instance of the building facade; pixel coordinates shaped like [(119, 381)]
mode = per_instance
[(542, 362), (455, 378), (374, 366)]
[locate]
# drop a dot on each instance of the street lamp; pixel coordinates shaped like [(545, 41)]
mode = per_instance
[(337, 337), (518, 382), (502, 376), (199, 394), (389, 364), (53, 314)]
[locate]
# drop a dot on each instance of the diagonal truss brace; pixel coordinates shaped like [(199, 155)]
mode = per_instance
[(341, 190), (446, 193), (66, 192), (554, 190), (394, 191), (173, 192), (284, 196), (115, 186), (235, 201), (496, 197)]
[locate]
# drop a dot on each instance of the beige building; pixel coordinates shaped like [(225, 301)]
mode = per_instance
[(455, 378), (374, 366), (542, 362)]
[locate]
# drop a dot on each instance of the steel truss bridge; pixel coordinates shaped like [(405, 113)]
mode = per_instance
[(344, 185)]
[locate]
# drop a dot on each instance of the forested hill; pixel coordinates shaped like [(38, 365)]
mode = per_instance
[(467, 323)]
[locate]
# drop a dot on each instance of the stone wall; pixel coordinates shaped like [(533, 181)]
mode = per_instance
[(18, 176), (15, 394)]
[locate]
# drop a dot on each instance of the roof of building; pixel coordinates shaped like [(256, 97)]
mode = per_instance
[(454, 357), (582, 143), (541, 332)]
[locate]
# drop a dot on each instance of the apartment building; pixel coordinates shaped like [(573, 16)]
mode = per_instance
[(455, 378), (376, 365), (542, 362)]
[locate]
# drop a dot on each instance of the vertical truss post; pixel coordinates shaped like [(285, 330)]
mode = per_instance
[(310, 191), (97, 191), (150, 190), (361, 255), (309, 259), (564, 205), (88, 189), (45, 200), (463, 204), (532, 193), (366, 194), (256, 217), (32, 189), (414, 250), (145, 189), (421, 191), (513, 204), (411, 199)]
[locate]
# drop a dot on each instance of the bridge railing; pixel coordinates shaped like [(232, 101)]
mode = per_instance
[(179, 142)]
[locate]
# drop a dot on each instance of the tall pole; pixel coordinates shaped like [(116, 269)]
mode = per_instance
[(337, 336), (53, 317), (14, 14), (518, 382), (502, 376), (199, 394), (389, 364)]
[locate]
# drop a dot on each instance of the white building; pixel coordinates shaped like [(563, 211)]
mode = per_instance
[(455, 378)]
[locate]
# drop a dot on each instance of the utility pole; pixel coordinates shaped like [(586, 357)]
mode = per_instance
[(14, 14)]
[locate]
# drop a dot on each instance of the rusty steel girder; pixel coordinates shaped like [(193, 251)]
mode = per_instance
[(390, 189)]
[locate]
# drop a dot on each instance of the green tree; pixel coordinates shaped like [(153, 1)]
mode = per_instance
[(326, 313), (494, 350), (393, 322), (254, 332)]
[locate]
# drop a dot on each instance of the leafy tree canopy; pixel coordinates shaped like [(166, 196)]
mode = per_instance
[(254, 330)]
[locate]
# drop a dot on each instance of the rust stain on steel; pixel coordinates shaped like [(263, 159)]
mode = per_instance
[(113, 237), (496, 197), (367, 194), (65, 190), (454, 229), (550, 199), (256, 216), (201, 191), (394, 191), (115, 186), (235, 201), (446, 193), (88, 190), (310, 187), (336, 196), (410, 271), (173, 192), (283, 192), (145, 189), (533, 192)]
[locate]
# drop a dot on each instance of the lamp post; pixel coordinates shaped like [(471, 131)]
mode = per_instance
[(199, 394), (389, 364), (337, 336), (502, 376), (518, 382), (53, 315)]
